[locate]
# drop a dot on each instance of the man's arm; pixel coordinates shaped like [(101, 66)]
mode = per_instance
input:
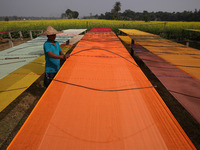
[(52, 55), (61, 56), (61, 53)]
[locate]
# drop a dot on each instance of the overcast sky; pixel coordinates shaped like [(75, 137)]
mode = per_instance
[(50, 8)]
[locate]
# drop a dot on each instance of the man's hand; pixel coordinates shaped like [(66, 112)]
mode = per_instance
[(67, 56)]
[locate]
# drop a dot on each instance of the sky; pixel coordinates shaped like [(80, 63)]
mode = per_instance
[(54, 8)]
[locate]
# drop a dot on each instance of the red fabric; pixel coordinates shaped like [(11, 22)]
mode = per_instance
[(101, 30), (6, 32)]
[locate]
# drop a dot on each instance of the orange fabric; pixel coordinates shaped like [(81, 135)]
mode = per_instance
[(72, 117)]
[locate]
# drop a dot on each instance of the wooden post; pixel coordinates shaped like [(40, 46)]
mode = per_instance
[(164, 28), (20, 34), (87, 25), (11, 43), (9, 34), (132, 45), (31, 36), (123, 26), (187, 43)]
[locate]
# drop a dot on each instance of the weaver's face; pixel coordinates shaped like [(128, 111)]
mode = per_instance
[(51, 37)]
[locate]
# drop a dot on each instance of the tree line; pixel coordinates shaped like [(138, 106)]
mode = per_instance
[(148, 16), (11, 18), (153, 16)]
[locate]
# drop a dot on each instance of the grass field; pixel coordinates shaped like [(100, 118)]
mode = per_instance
[(170, 30)]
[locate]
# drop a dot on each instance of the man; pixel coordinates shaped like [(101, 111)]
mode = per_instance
[(53, 54)]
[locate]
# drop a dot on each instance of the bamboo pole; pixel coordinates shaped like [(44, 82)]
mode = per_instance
[(31, 36), (87, 25), (9, 34), (11, 43), (187, 43), (20, 34)]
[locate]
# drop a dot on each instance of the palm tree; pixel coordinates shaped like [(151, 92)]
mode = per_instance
[(116, 9)]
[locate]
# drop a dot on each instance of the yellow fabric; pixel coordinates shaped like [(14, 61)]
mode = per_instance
[(185, 58), (126, 39), (17, 82), (135, 32)]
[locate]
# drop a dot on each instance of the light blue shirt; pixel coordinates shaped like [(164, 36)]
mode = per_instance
[(52, 65)]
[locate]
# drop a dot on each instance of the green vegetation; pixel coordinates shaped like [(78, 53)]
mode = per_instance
[(170, 30), (153, 16), (116, 9), (69, 14)]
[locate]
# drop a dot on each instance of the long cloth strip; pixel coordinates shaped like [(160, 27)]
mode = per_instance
[(175, 53), (20, 67), (74, 118), (173, 66), (31, 50)]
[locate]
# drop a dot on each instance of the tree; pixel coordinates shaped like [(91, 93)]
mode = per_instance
[(75, 14), (146, 16), (69, 13), (129, 14), (116, 9), (149, 16), (6, 19), (108, 15), (63, 15)]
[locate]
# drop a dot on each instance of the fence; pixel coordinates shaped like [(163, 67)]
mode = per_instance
[(10, 38)]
